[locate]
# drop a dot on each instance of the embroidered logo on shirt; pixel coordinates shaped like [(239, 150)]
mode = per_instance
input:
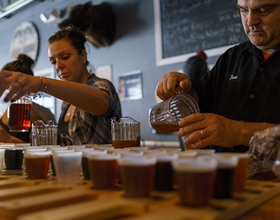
[(232, 77)]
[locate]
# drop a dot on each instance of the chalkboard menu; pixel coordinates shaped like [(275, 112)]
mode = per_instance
[(187, 26)]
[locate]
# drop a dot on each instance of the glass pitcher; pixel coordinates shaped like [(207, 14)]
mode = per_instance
[(165, 116), (125, 132)]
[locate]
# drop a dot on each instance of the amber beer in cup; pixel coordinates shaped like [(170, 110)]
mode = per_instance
[(225, 175), (19, 115), (37, 164), (85, 161), (241, 171), (195, 180), (104, 170), (138, 174)]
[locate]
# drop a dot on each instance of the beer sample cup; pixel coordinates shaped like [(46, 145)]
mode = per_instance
[(85, 162), (187, 154), (164, 172), (202, 152), (225, 175), (19, 115), (68, 167), (104, 170), (241, 171), (138, 174), (13, 158), (131, 153), (2, 153), (37, 164), (137, 148), (58, 150), (195, 180)]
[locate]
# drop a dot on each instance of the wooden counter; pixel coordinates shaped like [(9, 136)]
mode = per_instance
[(25, 199)]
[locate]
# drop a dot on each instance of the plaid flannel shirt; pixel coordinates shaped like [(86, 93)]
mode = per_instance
[(88, 128)]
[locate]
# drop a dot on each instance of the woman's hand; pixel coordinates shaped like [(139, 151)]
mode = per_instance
[(18, 83)]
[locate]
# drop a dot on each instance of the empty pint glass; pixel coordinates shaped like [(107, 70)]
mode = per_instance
[(19, 115), (125, 132)]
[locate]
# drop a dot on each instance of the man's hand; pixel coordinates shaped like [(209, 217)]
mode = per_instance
[(172, 83), (211, 129)]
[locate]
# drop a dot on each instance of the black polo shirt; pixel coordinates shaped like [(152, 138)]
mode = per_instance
[(242, 86)]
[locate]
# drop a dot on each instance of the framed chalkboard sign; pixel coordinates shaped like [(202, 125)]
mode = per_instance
[(183, 27)]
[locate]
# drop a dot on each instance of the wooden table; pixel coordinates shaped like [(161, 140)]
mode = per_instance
[(25, 199)]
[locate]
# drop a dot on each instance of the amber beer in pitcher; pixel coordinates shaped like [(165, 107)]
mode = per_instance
[(19, 115), (165, 116)]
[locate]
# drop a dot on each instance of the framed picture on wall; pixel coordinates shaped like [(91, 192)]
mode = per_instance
[(130, 85), (46, 100), (184, 27)]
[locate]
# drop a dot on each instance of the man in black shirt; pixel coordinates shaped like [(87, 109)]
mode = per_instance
[(240, 95)]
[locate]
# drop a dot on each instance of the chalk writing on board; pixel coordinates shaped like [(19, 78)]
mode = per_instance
[(189, 26)]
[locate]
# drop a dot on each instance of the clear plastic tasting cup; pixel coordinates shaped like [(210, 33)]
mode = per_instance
[(68, 167)]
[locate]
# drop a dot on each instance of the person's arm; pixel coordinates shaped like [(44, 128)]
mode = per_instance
[(7, 138), (80, 95), (211, 129), (39, 112)]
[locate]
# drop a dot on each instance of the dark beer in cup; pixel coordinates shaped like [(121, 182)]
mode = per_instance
[(195, 180), (225, 175), (164, 172), (241, 170), (13, 158)]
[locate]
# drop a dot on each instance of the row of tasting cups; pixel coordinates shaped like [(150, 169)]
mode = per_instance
[(107, 166)]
